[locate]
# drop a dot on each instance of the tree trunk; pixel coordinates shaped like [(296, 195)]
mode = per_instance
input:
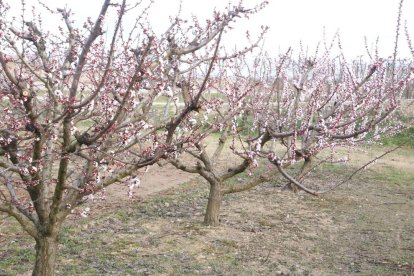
[(213, 207), (46, 253)]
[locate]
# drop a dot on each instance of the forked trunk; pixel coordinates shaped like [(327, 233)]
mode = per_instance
[(46, 253), (213, 207)]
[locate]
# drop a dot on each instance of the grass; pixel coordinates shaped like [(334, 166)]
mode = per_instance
[(391, 175), (405, 137), (365, 227)]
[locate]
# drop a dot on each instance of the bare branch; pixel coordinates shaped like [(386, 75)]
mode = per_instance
[(313, 192), (179, 165), (95, 32), (250, 183)]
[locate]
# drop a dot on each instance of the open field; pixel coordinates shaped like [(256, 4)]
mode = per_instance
[(364, 227)]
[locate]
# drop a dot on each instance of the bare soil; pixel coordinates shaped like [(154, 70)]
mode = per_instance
[(152, 181), (365, 227)]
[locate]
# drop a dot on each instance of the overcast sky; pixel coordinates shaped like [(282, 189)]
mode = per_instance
[(290, 21)]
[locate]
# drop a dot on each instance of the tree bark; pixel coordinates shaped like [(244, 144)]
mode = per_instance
[(212, 216), (46, 253)]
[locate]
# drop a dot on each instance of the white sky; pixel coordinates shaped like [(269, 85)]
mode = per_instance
[(290, 21)]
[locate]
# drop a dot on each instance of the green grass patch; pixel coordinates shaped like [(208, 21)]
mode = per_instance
[(16, 254), (392, 175), (405, 137)]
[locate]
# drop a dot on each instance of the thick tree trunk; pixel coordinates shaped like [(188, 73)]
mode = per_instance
[(213, 207), (46, 253)]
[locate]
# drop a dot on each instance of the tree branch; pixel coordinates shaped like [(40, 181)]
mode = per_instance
[(251, 183)]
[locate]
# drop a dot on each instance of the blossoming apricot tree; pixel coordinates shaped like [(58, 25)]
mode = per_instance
[(81, 109)]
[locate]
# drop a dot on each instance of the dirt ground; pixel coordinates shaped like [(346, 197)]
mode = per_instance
[(152, 181), (365, 227)]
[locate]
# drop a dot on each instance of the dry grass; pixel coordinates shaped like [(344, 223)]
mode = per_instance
[(365, 227)]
